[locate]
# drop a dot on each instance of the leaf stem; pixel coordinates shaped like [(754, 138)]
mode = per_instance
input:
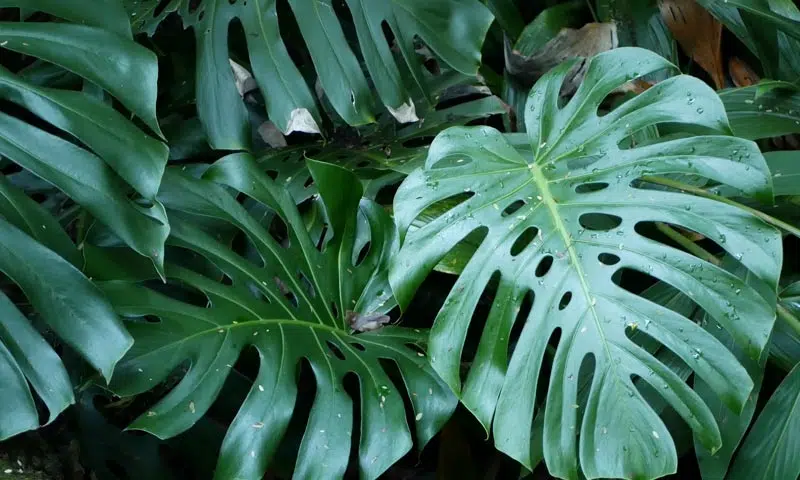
[(689, 245), (703, 193), (789, 318), (591, 10)]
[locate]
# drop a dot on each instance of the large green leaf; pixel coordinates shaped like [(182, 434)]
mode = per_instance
[(565, 211), (122, 67), (106, 14), (100, 156), (453, 29), (770, 449), (772, 114), (65, 299), (289, 300), (732, 425), (785, 348)]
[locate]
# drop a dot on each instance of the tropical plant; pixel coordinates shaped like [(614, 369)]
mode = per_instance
[(297, 239), (92, 153), (452, 29), (294, 296), (565, 213)]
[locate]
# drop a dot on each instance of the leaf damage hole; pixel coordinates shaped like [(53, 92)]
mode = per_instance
[(362, 254), (306, 284), (513, 207), (542, 385), (351, 383), (160, 7), (599, 222), (444, 206), (519, 322), (306, 394), (633, 281), (358, 346), (279, 231), (586, 374), (243, 243), (591, 187), (321, 241), (660, 232), (608, 259), (564, 301), (337, 352), (416, 348), (544, 266), (181, 291), (524, 239)]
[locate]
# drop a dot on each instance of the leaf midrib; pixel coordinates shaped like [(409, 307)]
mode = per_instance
[(548, 200)]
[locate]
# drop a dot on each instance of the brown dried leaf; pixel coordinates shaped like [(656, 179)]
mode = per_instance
[(698, 33), (589, 40), (741, 73)]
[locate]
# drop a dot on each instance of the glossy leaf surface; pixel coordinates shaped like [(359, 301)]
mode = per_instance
[(564, 211), (453, 29), (289, 300)]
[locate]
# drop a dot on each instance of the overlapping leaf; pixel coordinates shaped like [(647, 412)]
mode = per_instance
[(290, 300), (453, 29), (565, 212), (111, 157), (95, 156), (38, 257)]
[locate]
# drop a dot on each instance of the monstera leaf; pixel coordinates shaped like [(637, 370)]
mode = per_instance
[(41, 261), (100, 155), (293, 297), (98, 158), (565, 212), (453, 29)]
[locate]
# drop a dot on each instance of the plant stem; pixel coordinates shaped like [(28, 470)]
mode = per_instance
[(591, 10), (789, 318), (703, 193), (689, 245)]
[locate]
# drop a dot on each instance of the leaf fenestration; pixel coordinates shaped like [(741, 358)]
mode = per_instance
[(578, 182)]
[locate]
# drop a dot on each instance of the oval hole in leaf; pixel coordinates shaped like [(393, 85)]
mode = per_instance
[(362, 254), (306, 284), (599, 222), (579, 163), (524, 239), (519, 322), (547, 367), (511, 209), (565, 299), (279, 231), (417, 349), (591, 187), (352, 386), (334, 349), (358, 346), (160, 8), (608, 259), (544, 266), (443, 206)]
